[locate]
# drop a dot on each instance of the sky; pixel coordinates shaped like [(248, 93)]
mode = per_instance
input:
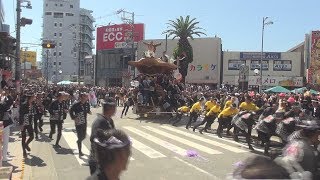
[(237, 22)]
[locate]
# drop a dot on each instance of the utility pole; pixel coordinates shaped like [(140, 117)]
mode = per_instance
[(130, 21), (79, 58), (20, 22), (17, 62), (24, 65), (47, 67)]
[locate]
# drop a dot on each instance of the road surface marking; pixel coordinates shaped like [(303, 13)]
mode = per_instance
[(71, 139), (158, 141), (232, 142), (183, 141), (214, 143), (151, 153), (195, 167), (89, 134)]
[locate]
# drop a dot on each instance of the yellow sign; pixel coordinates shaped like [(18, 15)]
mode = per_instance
[(29, 56)]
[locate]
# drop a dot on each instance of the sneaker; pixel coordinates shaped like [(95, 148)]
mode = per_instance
[(40, 129), (37, 138), (50, 136), (57, 146)]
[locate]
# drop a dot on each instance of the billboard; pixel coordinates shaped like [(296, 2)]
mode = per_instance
[(29, 56), (118, 36), (255, 64), (234, 64), (315, 57), (274, 81), (282, 65), (257, 55)]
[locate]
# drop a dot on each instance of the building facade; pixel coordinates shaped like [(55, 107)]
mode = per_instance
[(206, 65), (114, 50), (86, 35), (279, 68), (71, 29)]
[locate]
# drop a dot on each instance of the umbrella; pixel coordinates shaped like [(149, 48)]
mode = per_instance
[(152, 66), (64, 82), (277, 89), (300, 90)]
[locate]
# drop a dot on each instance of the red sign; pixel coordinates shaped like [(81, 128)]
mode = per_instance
[(118, 36)]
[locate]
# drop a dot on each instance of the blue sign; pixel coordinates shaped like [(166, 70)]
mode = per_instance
[(257, 56)]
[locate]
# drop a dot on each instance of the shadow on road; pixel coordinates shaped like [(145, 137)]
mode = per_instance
[(15, 168), (35, 161), (62, 150)]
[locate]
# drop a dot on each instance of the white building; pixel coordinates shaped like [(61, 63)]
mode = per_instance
[(206, 65), (71, 29), (279, 68)]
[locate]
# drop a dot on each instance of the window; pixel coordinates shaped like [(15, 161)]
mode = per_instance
[(55, 24), (54, 63), (60, 24), (71, 6), (60, 53), (48, 13), (55, 34), (57, 15), (75, 55), (47, 5), (60, 44), (54, 73), (54, 54), (69, 14), (56, 4), (60, 34), (59, 63), (61, 5)]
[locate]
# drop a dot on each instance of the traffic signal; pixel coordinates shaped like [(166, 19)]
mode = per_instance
[(25, 21), (48, 45)]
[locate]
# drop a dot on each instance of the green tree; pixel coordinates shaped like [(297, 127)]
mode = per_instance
[(184, 29)]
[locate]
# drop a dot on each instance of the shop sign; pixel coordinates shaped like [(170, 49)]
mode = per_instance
[(257, 55), (235, 64), (274, 81), (282, 65)]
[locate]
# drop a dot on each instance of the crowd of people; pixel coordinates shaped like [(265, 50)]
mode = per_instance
[(110, 148)]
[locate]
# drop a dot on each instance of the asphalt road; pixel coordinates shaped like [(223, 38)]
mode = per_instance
[(159, 152)]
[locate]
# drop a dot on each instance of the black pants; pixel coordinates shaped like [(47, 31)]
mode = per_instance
[(193, 118), (38, 119), (24, 140), (208, 120), (224, 123), (53, 125), (93, 167), (81, 133), (177, 118), (125, 109)]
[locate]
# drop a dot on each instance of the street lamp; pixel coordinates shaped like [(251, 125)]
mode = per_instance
[(265, 22)]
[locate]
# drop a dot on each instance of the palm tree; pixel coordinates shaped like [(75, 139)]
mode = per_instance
[(184, 28)]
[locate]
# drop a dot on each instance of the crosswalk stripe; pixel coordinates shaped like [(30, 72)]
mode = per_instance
[(89, 134), (151, 153), (158, 141), (71, 139), (184, 141), (232, 142), (214, 143)]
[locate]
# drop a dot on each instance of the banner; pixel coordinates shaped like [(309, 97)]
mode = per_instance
[(235, 64), (255, 64), (315, 57), (257, 56), (282, 65), (29, 56), (118, 36), (274, 81)]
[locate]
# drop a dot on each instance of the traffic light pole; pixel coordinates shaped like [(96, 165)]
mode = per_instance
[(47, 67), (17, 62)]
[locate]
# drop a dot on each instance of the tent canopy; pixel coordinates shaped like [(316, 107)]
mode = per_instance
[(301, 90), (277, 89), (64, 83)]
